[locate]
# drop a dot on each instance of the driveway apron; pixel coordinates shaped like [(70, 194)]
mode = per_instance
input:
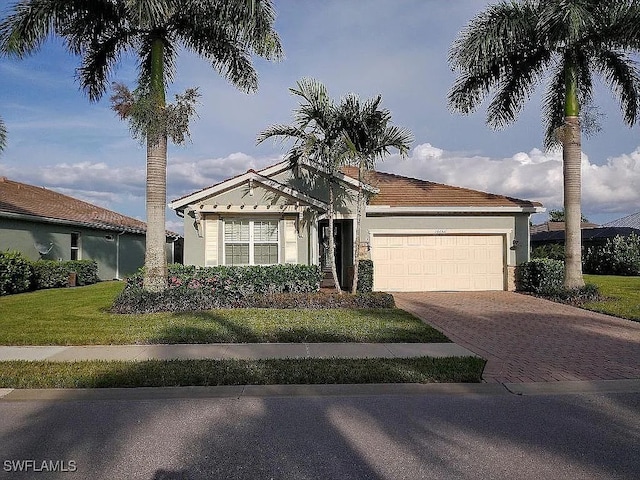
[(528, 339)]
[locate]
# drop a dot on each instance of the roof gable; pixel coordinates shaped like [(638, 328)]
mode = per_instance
[(248, 177)]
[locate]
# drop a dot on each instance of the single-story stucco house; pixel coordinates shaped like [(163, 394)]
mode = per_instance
[(420, 235), (44, 224)]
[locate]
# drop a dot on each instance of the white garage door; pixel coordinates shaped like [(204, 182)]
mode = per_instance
[(414, 263)]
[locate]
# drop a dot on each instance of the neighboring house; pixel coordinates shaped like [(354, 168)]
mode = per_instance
[(630, 221), (557, 227), (592, 234), (43, 224), (420, 235)]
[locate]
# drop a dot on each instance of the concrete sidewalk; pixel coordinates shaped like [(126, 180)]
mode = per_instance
[(246, 351)]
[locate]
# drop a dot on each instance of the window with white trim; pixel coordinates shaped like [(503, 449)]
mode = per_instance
[(251, 242), (75, 246)]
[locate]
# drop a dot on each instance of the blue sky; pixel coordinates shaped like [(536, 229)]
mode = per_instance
[(58, 139)]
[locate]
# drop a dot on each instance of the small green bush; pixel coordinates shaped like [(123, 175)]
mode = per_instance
[(365, 276), (15, 273), (86, 271), (54, 274), (618, 256), (540, 275), (50, 274), (576, 296)]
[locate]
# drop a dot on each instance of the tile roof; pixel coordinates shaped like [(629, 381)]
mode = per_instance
[(632, 221), (558, 226), (23, 199), (398, 191), (589, 234)]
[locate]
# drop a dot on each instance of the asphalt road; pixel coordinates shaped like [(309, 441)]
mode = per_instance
[(484, 436)]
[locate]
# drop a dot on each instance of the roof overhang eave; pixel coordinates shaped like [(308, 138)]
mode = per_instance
[(421, 210), (75, 223)]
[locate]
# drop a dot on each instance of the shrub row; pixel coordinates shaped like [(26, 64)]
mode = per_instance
[(275, 286), (618, 256), (177, 300), (239, 282), (193, 288), (545, 277), (18, 274), (540, 275), (15, 273)]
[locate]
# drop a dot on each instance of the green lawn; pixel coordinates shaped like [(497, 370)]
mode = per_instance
[(158, 373), (79, 316), (623, 296)]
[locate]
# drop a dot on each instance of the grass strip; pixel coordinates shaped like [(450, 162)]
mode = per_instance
[(622, 296), (79, 316), (171, 373)]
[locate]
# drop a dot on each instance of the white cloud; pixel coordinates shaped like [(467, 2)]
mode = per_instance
[(613, 187)]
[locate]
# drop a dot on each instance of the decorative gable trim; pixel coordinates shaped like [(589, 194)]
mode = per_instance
[(250, 177), (345, 179)]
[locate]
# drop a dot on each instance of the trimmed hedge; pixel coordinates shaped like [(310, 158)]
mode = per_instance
[(193, 288), (239, 282), (53, 274), (365, 276), (86, 271), (275, 286), (179, 300), (618, 256), (540, 275), (15, 273), (18, 274), (576, 296), (50, 274)]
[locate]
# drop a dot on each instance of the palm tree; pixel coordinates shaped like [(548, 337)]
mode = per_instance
[(224, 33), (3, 135), (317, 136), (370, 137), (511, 47)]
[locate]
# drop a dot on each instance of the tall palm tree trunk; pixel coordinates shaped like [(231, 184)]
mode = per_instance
[(155, 260), (572, 162), (359, 209), (332, 243), (571, 157)]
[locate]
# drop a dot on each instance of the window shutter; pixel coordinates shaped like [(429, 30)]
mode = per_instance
[(211, 242), (290, 241)]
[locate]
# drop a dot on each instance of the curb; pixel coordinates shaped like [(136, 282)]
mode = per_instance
[(343, 390), (250, 391)]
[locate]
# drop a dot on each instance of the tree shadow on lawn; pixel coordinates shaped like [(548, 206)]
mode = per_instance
[(372, 326)]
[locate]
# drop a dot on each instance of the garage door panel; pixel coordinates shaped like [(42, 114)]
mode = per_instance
[(438, 262)]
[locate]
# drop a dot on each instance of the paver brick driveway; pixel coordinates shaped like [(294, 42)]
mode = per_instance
[(528, 339)]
